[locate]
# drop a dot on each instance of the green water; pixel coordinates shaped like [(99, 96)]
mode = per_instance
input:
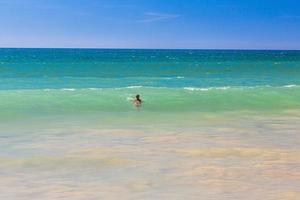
[(73, 82)]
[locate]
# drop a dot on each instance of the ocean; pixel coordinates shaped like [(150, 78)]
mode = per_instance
[(220, 124)]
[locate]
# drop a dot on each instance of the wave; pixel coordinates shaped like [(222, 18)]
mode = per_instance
[(238, 87), (93, 100), (134, 87), (68, 89), (289, 86), (206, 89)]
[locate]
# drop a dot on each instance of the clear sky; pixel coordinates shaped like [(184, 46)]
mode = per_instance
[(214, 24)]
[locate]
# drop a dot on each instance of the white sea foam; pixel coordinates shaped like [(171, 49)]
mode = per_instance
[(129, 98), (237, 87), (185, 88), (222, 88), (134, 86), (68, 89), (196, 89), (95, 88), (206, 89), (289, 86), (128, 87), (170, 78)]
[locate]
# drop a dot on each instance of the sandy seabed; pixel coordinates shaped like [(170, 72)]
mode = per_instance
[(249, 159)]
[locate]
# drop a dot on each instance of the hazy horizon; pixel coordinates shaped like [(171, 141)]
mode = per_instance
[(128, 48)]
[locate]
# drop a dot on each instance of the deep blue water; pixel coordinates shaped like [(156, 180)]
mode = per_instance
[(111, 68)]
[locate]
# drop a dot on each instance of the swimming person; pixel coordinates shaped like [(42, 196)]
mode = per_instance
[(137, 101)]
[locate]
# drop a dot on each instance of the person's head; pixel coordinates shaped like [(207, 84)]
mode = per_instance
[(137, 96)]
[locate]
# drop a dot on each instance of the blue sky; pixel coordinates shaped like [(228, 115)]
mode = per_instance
[(204, 24)]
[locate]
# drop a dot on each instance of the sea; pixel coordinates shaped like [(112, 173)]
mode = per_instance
[(214, 124)]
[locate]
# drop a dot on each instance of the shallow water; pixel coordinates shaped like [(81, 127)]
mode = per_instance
[(215, 159)]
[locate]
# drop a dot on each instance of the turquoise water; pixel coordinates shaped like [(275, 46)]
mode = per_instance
[(77, 81), (81, 68)]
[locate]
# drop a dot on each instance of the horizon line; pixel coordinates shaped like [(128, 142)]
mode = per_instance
[(135, 48)]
